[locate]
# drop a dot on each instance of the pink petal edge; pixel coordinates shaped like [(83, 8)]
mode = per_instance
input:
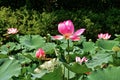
[(57, 37), (75, 38), (79, 32)]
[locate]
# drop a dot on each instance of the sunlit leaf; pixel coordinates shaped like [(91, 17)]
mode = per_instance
[(7, 47), (77, 68), (107, 44), (32, 41), (9, 68), (112, 73), (89, 46), (49, 48), (50, 70), (98, 59), (56, 74)]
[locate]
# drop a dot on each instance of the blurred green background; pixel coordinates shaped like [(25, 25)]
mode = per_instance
[(42, 16)]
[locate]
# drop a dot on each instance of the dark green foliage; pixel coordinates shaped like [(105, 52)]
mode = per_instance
[(49, 5), (26, 21), (33, 22)]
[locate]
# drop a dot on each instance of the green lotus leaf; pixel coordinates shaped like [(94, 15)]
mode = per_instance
[(32, 41), (56, 74), (98, 59), (7, 47), (64, 44), (107, 44), (49, 70), (49, 48), (25, 58), (77, 68), (3, 56), (111, 73), (9, 68), (89, 46)]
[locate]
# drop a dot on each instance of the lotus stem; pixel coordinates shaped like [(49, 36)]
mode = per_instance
[(68, 58)]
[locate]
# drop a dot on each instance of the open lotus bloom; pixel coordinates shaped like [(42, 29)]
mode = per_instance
[(40, 53), (104, 36), (66, 28), (81, 60), (12, 30)]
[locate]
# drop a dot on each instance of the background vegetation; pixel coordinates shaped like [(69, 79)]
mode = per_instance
[(42, 16)]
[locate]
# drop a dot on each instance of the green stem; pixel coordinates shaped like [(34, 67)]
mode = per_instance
[(68, 58), (76, 76), (116, 55), (68, 52), (64, 73), (68, 74)]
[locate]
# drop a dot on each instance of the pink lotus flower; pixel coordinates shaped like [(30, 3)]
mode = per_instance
[(12, 31), (78, 59), (40, 53), (104, 36), (66, 28)]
